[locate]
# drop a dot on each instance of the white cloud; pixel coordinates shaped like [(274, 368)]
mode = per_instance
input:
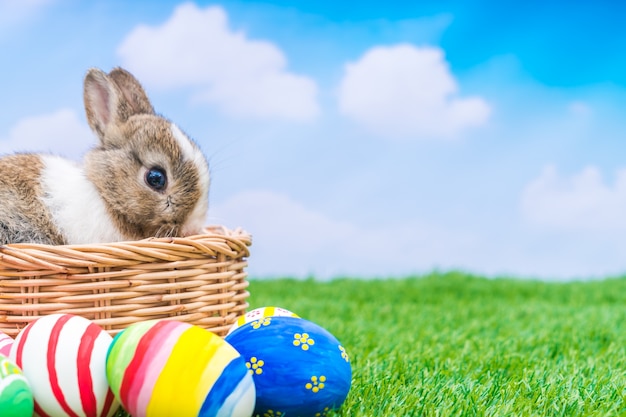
[(61, 132), (405, 90), (582, 202), (243, 77), (290, 239), (286, 235)]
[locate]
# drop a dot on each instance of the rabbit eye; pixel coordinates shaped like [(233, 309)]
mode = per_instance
[(156, 178)]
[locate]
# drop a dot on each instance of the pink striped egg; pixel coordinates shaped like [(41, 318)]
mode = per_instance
[(6, 342), (64, 358)]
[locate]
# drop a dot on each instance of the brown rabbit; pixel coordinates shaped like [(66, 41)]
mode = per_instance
[(145, 178)]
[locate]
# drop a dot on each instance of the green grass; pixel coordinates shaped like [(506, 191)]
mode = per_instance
[(456, 345)]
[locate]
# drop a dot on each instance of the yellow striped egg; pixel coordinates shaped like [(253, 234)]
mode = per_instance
[(169, 368)]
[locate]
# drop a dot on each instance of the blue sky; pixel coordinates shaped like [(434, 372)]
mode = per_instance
[(382, 139)]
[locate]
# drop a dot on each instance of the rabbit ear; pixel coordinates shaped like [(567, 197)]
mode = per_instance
[(111, 99), (132, 90), (100, 101)]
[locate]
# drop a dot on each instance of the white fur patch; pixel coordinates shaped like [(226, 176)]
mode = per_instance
[(197, 217), (192, 153), (186, 147), (74, 203)]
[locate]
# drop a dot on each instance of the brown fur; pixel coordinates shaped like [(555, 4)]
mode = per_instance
[(132, 90), (23, 217)]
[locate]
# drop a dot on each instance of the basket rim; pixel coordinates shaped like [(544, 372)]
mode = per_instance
[(214, 240)]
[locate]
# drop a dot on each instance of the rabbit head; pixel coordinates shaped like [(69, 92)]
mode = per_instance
[(153, 179)]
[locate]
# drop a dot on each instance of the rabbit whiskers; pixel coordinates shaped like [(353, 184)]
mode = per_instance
[(168, 230)]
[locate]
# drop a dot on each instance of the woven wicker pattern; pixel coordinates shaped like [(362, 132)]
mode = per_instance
[(199, 279)]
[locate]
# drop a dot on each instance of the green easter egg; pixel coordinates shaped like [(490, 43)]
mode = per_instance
[(16, 397)]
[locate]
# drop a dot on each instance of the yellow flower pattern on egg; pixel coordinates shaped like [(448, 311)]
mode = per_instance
[(255, 366), (303, 340), (344, 354), (272, 413), (323, 413), (266, 321), (316, 384)]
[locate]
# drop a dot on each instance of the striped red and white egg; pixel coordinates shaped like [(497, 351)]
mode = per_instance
[(64, 358)]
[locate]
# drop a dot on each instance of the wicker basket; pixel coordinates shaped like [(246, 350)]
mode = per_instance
[(198, 280)]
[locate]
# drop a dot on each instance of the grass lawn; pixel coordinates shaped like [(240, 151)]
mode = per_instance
[(456, 345)]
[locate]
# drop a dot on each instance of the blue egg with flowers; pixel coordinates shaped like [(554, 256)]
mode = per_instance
[(298, 367)]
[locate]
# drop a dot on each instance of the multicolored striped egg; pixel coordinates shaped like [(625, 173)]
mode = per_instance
[(16, 397), (261, 313), (6, 342), (169, 368), (63, 357), (299, 368)]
